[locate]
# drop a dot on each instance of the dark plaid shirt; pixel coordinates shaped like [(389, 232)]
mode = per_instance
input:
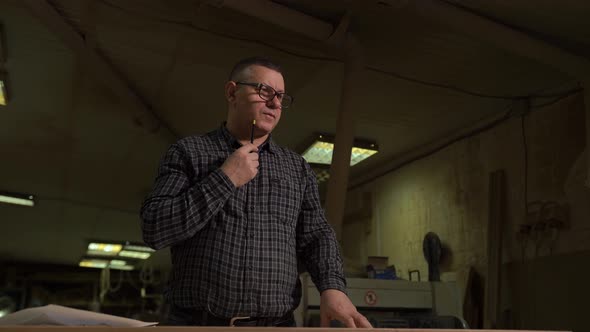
[(234, 250)]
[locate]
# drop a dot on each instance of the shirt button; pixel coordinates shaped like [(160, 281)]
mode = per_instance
[(250, 267), (252, 207)]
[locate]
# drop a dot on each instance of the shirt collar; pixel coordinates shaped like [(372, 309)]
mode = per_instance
[(229, 142)]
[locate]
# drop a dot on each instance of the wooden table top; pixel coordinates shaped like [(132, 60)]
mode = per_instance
[(30, 328)]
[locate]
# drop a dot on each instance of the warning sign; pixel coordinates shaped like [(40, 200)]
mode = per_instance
[(370, 297)]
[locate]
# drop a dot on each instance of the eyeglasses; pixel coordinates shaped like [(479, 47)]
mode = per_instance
[(268, 93)]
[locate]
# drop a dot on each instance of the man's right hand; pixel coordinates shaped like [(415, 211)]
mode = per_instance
[(242, 165)]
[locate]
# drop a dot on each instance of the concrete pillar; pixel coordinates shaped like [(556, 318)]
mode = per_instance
[(339, 170)]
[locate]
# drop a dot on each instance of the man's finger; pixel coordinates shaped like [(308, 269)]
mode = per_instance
[(362, 321), (249, 147), (349, 322), (325, 321)]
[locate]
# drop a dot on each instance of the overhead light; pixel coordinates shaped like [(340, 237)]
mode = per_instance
[(135, 247), (321, 149), (115, 264), (3, 89), (18, 199), (115, 255), (134, 254), (95, 263), (118, 264), (103, 249)]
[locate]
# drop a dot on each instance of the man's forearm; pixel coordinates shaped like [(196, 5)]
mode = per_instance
[(167, 219)]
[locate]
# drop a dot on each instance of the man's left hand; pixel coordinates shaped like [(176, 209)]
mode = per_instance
[(335, 305)]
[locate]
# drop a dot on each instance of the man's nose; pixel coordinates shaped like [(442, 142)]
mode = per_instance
[(274, 102)]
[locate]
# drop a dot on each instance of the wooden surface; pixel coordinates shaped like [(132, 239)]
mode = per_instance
[(213, 329)]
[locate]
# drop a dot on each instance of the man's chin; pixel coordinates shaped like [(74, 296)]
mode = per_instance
[(266, 127)]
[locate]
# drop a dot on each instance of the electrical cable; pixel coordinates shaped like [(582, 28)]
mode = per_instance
[(559, 98)]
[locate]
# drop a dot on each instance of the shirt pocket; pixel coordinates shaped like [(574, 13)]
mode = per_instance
[(284, 200)]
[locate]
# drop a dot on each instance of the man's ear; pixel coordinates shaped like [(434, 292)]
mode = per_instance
[(230, 91)]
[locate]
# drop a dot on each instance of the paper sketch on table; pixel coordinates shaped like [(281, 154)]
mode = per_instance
[(57, 315)]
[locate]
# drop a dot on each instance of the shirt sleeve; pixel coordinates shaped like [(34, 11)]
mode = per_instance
[(175, 210), (317, 246)]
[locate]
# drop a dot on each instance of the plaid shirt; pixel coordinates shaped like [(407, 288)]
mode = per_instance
[(235, 250)]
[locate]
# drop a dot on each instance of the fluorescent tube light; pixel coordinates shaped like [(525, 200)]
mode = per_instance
[(94, 263), (103, 249), (134, 254), (134, 247), (3, 89), (18, 199), (115, 264)]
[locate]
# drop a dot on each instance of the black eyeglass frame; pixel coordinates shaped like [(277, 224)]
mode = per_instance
[(281, 95)]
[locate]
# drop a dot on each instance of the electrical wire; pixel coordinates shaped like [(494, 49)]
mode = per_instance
[(559, 98)]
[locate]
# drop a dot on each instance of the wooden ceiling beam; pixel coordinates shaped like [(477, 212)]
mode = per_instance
[(97, 65), (503, 36)]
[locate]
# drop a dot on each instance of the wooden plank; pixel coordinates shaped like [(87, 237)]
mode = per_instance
[(217, 329), (496, 216)]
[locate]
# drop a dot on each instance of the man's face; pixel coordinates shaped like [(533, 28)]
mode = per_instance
[(248, 105)]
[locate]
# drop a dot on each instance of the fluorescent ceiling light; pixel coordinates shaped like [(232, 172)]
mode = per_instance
[(115, 255), (123, 267), (3, 89), (95, 263), (3, 94), (115, 264), (321, 150), (18, 199), (118, 264), (134, 254), (103, 249), (135, 247)]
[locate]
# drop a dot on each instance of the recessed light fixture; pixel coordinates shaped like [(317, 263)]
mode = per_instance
[(17, 199), (321, 149)]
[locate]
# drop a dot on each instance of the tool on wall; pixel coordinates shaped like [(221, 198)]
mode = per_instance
[(432, 252)]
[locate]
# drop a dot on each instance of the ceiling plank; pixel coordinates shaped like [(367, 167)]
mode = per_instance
[(98, 66), (283, 16), (503, 36)]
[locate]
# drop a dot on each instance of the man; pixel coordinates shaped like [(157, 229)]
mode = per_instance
[(238, 211)]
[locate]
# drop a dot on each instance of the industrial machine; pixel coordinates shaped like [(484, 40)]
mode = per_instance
[(392, 303)]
